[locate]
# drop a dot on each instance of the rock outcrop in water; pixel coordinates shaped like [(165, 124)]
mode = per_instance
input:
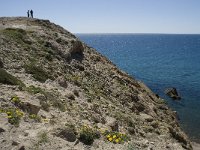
[(58, 93), (172, 92)]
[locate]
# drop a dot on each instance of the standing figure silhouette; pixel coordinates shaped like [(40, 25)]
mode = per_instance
[(31, 13), (28, 13)]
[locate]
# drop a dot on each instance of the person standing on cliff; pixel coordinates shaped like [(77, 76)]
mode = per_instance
[(28, 13), (31, 13)]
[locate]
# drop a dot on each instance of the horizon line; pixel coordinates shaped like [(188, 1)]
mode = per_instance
[(137, 33)]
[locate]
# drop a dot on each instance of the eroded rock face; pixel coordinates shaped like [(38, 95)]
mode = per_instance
[(172, 92)]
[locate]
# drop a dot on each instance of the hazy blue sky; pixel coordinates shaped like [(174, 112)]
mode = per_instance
[(112, 16)]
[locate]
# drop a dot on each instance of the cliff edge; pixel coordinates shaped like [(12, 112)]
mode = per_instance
[(58, 93)]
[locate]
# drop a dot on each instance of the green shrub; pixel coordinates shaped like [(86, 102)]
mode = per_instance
[(7, 78), (59, 105), (35, 117), (16, 34), (37, 72), (34, 90), (43, 138), (131, 147), (45, 105), (49, 57), (14, 115), (15, 99), (87, 135)]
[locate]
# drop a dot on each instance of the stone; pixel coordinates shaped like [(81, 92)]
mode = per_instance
[(30, 108), (62, 82), (14, 143), (41, 97), (2, 130), (131, 130), (96, 118), (112, 123), (77, 47), (67, 134), (172, 92), (22, 148), (146, 117)]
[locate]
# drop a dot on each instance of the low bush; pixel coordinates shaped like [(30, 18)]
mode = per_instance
[(14, 115), (37, 72), (34, 90), (87, 135), (9, 79)]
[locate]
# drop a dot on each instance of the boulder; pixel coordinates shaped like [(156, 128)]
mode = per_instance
[(30, 108), (67, 134), (2, 130), (77, 47), (172, 92), (112, 123), (146, 117), (62, 82)]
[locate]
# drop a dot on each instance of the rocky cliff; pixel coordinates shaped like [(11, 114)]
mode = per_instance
[(58, 93)]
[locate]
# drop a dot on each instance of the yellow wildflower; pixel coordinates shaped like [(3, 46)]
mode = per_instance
[(117, 140), (108, 136), (8, 113), (110, 139), (19, 113), (114, 136), (9, 117), (46, 120)]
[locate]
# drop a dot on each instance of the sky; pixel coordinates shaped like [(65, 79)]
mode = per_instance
[(112, 16)]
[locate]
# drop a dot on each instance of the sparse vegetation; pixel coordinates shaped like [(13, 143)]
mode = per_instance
[(35, 117), (87, 135), (115, 137), (131, 147), (15, 99), (37, 72), (14, 115), (43, 138), (45, 105), (7, 78), (58, 104), (34, 90), (15, 33)]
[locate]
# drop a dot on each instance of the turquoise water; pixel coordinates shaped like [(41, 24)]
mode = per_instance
[(160, 61)]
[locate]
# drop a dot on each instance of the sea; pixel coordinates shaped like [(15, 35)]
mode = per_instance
[(160, 61)]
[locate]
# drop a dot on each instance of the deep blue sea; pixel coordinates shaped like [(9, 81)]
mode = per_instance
[(160, 61)]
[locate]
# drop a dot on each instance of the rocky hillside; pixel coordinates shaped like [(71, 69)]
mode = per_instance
[(57, 93)]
